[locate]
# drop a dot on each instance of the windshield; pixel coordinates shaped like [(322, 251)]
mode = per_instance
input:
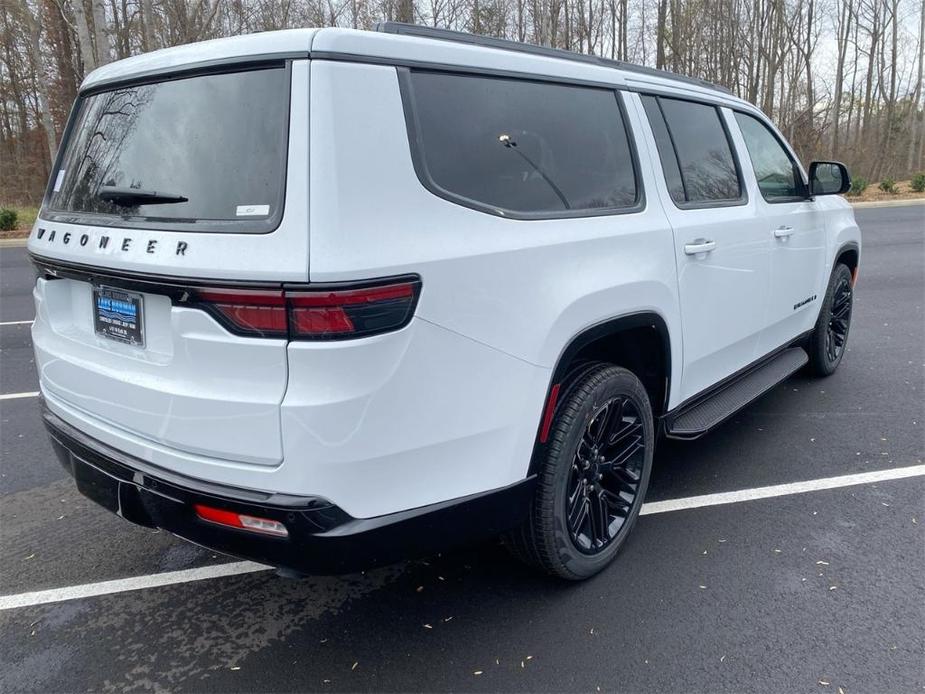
[(204, 153)]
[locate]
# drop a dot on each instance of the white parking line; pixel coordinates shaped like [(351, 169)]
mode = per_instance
[(17, 322), (89, 590), (781, 490), (16, 396), (121, 585)]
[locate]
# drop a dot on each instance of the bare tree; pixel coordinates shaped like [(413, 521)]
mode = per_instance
[(867, 108)]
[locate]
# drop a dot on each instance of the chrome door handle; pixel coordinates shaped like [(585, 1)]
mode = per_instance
[(699, 246), (783, 232)]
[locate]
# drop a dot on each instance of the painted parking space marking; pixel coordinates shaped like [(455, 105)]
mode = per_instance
[(122, 585), (782, 490), (16, 322), (16, 396)]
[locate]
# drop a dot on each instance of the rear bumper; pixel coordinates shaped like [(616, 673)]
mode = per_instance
[(323, 539)]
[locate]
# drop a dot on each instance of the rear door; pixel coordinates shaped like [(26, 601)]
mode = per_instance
[(170, 197), (796, 231), (721, 245)]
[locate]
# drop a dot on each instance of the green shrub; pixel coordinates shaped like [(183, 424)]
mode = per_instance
[(888, 185), (858, 186), (8, 219), (918, 183)]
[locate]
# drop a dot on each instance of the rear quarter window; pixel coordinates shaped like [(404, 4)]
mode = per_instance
[(520, 148), (200, 153)]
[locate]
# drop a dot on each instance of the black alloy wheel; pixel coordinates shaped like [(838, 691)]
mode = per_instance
[(836, 334), (604, 481), (828, 342), (592, 474)]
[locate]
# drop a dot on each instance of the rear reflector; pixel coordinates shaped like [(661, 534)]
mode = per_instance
[(241, 521), (314, 314), (550, 410)]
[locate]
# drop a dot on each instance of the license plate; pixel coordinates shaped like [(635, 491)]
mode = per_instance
[(118, 315)]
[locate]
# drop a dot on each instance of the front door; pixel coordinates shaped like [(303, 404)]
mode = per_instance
[(796, 231), (721, 245)]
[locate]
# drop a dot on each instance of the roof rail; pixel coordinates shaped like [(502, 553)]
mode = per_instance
[(506, 45)]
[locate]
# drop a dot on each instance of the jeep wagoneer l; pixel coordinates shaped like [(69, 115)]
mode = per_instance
[(329, 298)]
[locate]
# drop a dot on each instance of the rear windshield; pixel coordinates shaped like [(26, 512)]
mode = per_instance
[(204, 153)]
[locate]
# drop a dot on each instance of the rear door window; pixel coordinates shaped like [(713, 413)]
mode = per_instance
[(693, 145), (203, 153), (520, 148)]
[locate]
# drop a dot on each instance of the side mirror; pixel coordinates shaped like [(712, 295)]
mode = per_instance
[(828, 178)]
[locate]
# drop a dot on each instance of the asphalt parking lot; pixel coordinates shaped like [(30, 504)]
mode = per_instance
[(821, 590)]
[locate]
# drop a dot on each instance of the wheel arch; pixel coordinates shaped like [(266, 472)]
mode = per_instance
[(612, 338), (850, 254)]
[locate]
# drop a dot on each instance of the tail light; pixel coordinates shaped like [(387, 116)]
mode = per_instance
[(332, 312), (247, 311)]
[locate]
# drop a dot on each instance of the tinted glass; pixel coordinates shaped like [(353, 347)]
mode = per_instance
[(526, 147), (217, 140), (704, 154), (777, 173), (665, 149)]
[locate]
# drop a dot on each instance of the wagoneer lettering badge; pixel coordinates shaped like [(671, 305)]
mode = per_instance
[(125, 244)]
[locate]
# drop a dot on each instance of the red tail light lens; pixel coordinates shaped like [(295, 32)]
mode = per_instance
[(329, 313), (246, 311), (339, 313)]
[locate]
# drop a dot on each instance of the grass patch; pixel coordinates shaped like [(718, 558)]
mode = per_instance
[(25, 218), (887, 189), (25, 215)]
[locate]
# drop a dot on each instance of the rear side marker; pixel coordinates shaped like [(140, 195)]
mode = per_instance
[(550, 410), (240, 521)]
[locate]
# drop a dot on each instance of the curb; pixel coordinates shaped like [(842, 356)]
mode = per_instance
[(889, 203), (13, 243)]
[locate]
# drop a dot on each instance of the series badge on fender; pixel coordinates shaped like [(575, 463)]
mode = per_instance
[(800, 304)]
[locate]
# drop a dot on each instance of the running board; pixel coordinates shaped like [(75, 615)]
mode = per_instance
[(702, 415)]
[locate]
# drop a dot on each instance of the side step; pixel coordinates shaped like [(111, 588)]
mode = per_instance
[(704, 414)]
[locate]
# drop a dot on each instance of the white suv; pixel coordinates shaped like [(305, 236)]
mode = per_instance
[(329, 298)]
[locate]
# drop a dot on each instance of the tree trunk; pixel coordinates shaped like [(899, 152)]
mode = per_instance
[(915, 102), (147, 24), (660, 30), (844, 31), (100, 33), (87, 53), (41, 82)]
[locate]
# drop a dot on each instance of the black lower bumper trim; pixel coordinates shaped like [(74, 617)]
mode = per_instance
[(323, 539)]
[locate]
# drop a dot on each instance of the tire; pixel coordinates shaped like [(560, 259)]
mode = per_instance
[(826, 346), (603, 418)]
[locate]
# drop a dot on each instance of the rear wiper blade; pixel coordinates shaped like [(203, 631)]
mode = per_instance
[(129, 197)]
